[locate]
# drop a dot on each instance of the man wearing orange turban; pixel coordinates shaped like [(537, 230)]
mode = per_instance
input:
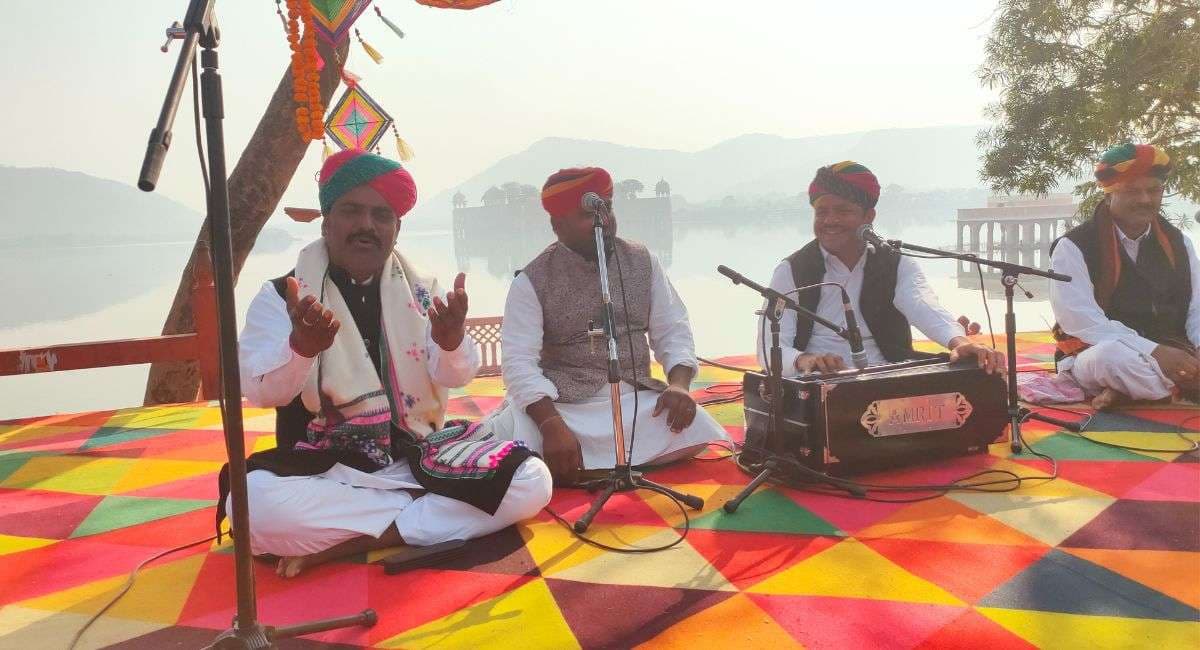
[(1129, 320), (556, 368)]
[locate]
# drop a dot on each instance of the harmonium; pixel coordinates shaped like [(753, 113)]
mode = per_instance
[(886, 416)]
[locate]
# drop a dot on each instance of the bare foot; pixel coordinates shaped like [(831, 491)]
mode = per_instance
[(1107, 399), (290, 567)]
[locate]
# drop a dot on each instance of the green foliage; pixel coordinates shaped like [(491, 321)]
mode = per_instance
[(1077, 76)]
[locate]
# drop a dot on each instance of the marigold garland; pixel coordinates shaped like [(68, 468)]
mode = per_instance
[(306, 78)]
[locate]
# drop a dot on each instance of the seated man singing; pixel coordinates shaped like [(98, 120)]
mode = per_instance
[(1129, 319), (887, 290), (556, 371), (356, 349)]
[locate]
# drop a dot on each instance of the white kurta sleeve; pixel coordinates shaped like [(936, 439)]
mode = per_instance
[(1074, 303), (521, 345), (670, 331), (272, 373), (1193, 315), (453, 368), (781, 281), (916, 300)]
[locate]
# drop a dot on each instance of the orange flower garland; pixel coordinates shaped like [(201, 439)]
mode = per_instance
[(306, 79)]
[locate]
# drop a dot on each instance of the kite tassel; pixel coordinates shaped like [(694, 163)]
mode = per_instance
[(327, 152), (404, 151), (390, 24), (371, 52)]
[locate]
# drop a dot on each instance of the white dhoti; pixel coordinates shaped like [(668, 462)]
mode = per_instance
[(1117, 365), (301, 515), (591, 420)]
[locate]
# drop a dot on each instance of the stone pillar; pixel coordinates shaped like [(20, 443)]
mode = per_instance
[(974, 237)]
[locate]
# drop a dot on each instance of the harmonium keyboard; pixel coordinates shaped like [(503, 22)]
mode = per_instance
[(884, 416)]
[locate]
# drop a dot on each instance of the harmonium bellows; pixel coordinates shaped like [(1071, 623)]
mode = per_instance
[(885, 416)]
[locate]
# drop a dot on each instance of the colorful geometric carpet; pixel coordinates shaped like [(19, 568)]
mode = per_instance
[(1108, 555)]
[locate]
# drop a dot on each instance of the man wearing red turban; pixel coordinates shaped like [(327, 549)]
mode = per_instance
[(888, 291), (1129, 319), (556, 367), (356, 349)]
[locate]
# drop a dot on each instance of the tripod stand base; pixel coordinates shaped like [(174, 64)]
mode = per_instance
[(624, 479), (264, 637)]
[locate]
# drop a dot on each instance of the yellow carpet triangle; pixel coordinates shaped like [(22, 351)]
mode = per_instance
[(79, 474), (679, 566), (1054, 630), (851, 570), (156, 471), (1049, 519), (157, 596), (526, 617), (555, 549), (944, 520), (33, 628), (733, 623), (14, 544)]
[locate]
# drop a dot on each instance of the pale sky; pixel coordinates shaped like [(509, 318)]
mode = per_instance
[(83, 80)]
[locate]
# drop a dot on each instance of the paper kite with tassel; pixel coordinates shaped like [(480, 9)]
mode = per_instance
[(357, 121), (333, 18)]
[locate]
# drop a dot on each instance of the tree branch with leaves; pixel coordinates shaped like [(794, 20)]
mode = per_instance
[(1078, 76)]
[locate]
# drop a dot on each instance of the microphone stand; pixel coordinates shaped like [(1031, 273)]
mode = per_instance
[(1009, 274), (623, 477), (774, 463), (200, 27)]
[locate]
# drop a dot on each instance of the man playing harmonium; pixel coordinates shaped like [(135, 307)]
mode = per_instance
[(356, 349), (555, 372), (887, 290), (1129, 320)]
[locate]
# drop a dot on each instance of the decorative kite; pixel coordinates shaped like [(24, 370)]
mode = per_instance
[(357, 121), (455, 4), (333, 18)]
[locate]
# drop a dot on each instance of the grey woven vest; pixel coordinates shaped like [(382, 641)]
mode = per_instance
[(568, 287)]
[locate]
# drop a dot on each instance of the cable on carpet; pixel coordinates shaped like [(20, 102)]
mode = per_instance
[(129, 585), (842, 487)]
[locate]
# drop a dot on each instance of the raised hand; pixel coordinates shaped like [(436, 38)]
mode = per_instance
[(313, 326), (447, 319)]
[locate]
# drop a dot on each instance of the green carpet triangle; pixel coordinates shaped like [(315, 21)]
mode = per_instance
[(106, 436), (1068, 447), (121, 511), (11, 462), (767, 511)]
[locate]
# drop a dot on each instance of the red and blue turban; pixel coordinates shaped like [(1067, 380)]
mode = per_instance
[(846, 179), (346, 170), (1127, 162), (564, 190)]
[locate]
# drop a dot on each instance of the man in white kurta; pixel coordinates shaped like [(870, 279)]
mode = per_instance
[(888, 291), (558, 399), (356, 349), (1129, 319)]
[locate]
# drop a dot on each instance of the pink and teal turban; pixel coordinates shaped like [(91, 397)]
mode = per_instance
[(346, 170)]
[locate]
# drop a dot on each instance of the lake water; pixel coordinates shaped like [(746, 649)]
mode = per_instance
[(87, 294)]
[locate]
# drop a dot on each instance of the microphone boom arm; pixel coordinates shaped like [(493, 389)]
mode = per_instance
[(775, 298)]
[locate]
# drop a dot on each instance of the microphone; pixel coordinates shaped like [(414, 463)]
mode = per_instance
[(593, 203), (868, 235), (858, 356)]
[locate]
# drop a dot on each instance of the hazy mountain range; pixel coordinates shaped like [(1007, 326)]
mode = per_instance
[(46, 207), (941, 157)]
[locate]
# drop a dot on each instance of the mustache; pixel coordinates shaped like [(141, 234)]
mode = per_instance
[(363, 233)]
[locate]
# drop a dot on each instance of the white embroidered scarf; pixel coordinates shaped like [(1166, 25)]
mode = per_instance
[(353, 409)]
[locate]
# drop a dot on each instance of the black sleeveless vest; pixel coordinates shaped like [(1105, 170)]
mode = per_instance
[(291, 421), (1151, 297), (875, 306)]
